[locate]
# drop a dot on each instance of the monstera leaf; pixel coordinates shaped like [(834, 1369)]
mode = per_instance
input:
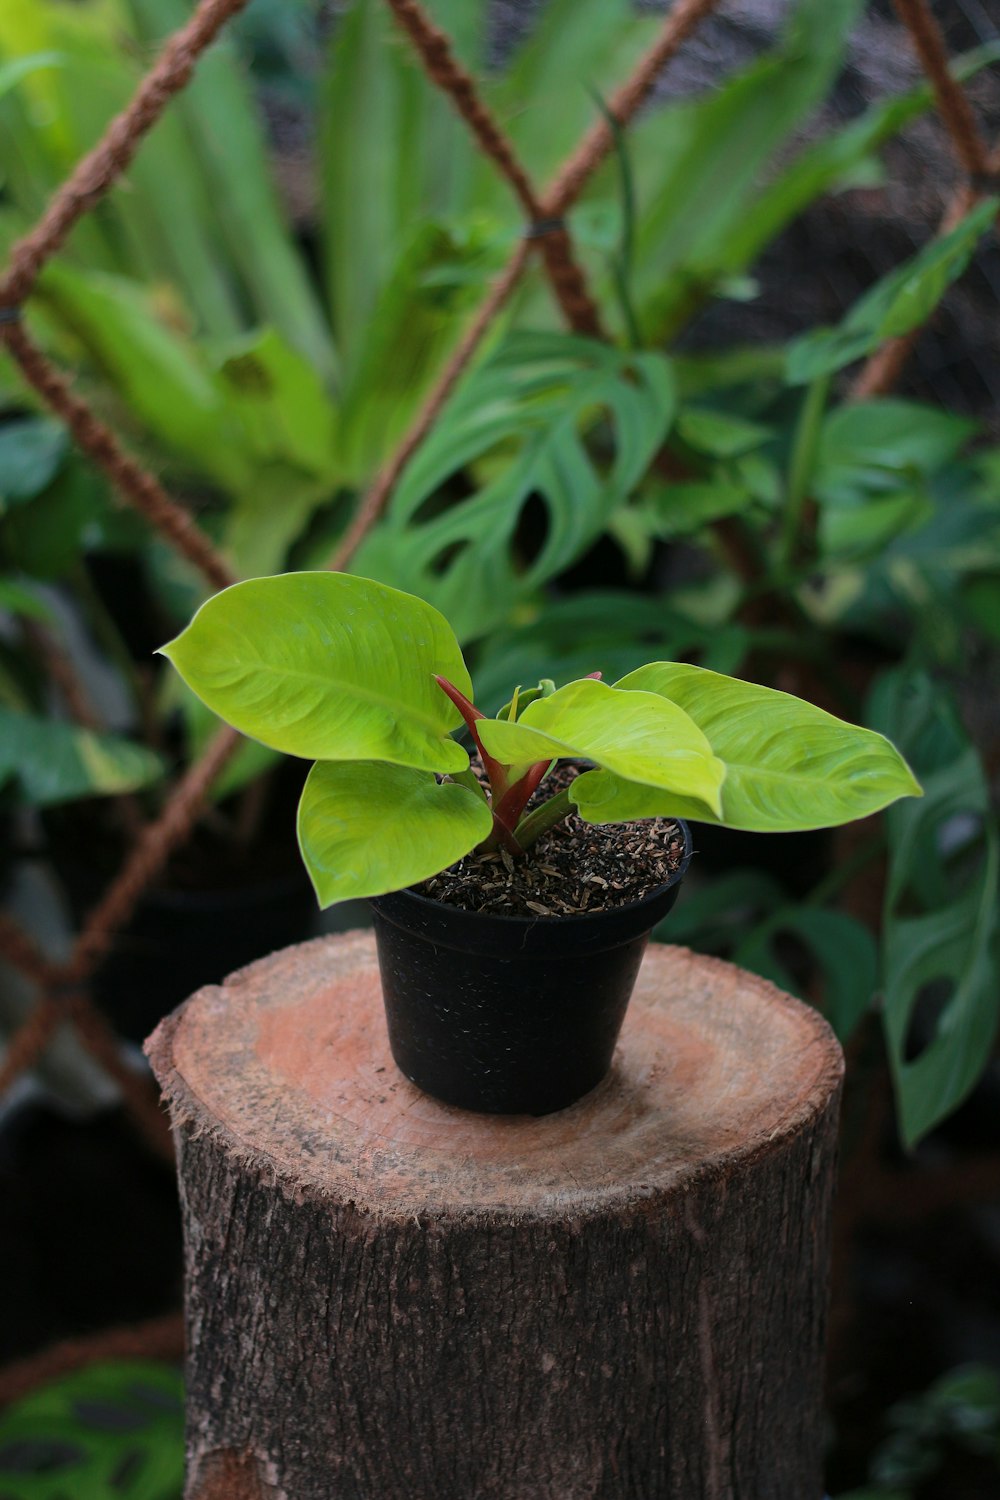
[(526, 420), (788, 765), (110, 1432), (941, 952), (328, 667)]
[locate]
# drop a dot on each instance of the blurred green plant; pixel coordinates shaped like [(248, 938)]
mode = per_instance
[(750, 515), (961, 1410), (114, 1431)]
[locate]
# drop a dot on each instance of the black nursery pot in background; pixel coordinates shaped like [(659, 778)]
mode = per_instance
[(510, 1015)]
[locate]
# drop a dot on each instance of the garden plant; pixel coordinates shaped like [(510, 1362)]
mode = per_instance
[(371, 682), (574, 501)]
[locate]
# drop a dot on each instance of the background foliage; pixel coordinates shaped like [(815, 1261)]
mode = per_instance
[(578, 506)]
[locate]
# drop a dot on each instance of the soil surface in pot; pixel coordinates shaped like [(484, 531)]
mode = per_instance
[(576, 867)]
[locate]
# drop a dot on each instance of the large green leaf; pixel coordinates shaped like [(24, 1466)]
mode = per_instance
[(830, 162), (51, 761), (417, 317), (575, 48), (163, 377), (12, 72), (522, 418), (367, 828), (877, 445), (789, 765), (942, 916), (109, 1432), (288, 428), (328, 666), (639, 736), (901, 301), (228, 155), (392, 152), (699, 164)]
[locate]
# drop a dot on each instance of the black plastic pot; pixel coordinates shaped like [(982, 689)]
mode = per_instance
[(510, 1015)]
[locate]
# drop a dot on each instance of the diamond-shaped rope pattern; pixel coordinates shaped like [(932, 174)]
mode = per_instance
[(61, 986)]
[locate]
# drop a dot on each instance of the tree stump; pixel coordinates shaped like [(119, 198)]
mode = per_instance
[(388, 1299)]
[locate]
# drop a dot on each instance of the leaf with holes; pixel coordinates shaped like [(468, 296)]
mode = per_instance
[(563, 424), (789, 765), (328, 667), (842, 950), (941, 959), (366, 828), (114, 1431)]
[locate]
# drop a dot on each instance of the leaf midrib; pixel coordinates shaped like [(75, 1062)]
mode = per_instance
[(368, 695)]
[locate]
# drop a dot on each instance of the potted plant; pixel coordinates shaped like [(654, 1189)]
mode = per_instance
[(508, 1003)]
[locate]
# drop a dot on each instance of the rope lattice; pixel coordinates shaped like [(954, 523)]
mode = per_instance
[(62, 998)]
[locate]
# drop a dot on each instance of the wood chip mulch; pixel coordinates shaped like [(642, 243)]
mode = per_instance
[(575, 868)]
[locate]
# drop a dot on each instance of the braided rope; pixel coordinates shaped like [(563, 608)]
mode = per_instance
[(882, 371), (25, 1048), (134, 483), (158, 1338), (377, 498), (566, 187), (96, 172), (89, 182), (599, 140), (154, 847), (952, 101), (22, 952), (445, 71), (138, 1091)]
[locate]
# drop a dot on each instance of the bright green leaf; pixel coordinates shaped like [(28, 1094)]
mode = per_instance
[(639, 736), (52, 761), (113, 1431), (901, 301), (330, 666), (789, 765), (365, 829)]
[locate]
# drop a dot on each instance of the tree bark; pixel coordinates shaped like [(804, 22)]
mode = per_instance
[(388, 1299)]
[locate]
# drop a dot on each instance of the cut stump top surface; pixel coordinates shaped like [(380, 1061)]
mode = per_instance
[(288, 1062)]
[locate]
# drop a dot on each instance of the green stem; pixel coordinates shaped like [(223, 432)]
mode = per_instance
[(801, 467), (543, 818)]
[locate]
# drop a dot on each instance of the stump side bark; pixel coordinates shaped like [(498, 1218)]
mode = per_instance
[(388, 1299)]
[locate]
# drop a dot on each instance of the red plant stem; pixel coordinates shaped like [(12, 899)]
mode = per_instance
[(516, 798), (495, 769)]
